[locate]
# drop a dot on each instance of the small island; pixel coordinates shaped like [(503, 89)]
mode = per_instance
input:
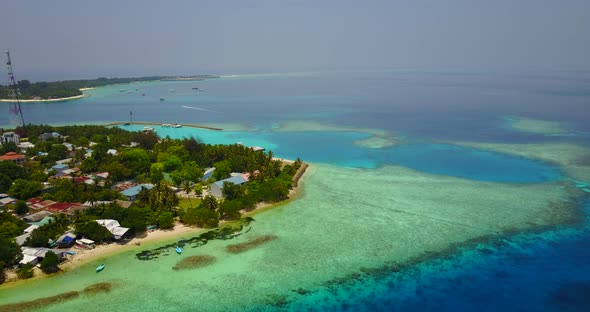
[(72, 89), (72, 192)]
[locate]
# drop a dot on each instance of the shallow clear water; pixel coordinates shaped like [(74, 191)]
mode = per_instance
[(375, 228)]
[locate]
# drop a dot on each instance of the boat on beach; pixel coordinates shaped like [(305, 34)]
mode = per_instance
[(178, 250), (100, 267)]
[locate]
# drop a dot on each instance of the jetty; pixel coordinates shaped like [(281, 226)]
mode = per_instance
[(151, 123)]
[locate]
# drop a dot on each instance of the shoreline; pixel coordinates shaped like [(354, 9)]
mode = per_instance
[(85, 256), (45, 100), (151, 123)]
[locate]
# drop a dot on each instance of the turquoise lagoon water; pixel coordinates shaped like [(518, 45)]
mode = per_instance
[(422, 225), (340, 148)]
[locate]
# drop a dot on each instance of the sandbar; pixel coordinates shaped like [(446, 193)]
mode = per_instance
[(536, 126)]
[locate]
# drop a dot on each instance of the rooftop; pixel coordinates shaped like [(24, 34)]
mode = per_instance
[(11, 156)]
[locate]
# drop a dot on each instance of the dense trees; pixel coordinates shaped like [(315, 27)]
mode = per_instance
[(8, 147), (59, 89), (9, 251), (49, 263), (93, 231), (10, 226), (40, 236), (21, 208), (23, 189)]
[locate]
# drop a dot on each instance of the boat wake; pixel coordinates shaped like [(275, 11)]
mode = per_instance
[(198, 108)]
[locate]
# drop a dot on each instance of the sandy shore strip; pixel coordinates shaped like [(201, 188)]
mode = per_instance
[(47, 100), (84, 256)]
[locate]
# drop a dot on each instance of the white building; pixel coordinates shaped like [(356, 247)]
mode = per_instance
[(10, 137), (114, 227)]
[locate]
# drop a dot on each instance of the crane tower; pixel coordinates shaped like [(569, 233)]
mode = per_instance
[(16, 113)]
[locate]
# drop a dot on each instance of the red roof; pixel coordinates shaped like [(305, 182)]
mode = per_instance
[(34, 200), (11, 156), (60, 207)]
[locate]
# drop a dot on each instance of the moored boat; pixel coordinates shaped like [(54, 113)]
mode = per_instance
[(176, 126), (100, 268), (178, 250)]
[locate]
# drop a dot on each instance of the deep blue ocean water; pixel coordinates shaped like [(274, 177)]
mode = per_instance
[(548, 271)]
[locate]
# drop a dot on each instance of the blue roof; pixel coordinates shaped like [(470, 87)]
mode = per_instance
[(235, 180), (208, 173), (136, 189), (60, 166), (68, 239)]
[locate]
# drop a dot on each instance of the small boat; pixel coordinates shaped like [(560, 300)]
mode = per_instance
[(69, 252), (178, 250), (127, 124), (143, 94), (195, 88), (148, 129), (161, 99), (236, 233), (100, 268), (166, 125), (177, 126)]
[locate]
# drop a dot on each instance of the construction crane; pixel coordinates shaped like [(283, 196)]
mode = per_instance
[(16, 112)]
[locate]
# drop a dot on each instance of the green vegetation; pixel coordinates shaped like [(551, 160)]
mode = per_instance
[(167, 164), (26, 271), (51, 231), (49, 263), (68, 88), (9, 252)]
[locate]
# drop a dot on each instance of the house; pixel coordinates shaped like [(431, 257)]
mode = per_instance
[(123, 203), (102, 175), (60, 168), (131, 193), (5, 201), (38, 204), (26, 145), (64, 161), (21, 239), (66, 240), (37, 217), (208, 174), (69, 146), (14, 157), (67, 208), (35, 255), (114, 227), (85, 243), (112, 152), (50, 135), (216, 188), (9, 137)]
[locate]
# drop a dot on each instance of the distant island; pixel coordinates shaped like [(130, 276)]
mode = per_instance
[(72, 89)]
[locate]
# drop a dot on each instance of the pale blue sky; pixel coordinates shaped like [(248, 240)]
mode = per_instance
[(69, 39)]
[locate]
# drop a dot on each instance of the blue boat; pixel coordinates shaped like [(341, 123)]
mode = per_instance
[(100, 268), (69, 252), (178, 250)]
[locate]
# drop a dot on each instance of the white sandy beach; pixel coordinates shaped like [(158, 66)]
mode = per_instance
[(47, 100)]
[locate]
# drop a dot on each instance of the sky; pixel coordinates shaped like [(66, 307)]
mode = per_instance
[(66, 39)]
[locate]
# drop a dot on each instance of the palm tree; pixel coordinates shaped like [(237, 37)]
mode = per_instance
[(186, 187)]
